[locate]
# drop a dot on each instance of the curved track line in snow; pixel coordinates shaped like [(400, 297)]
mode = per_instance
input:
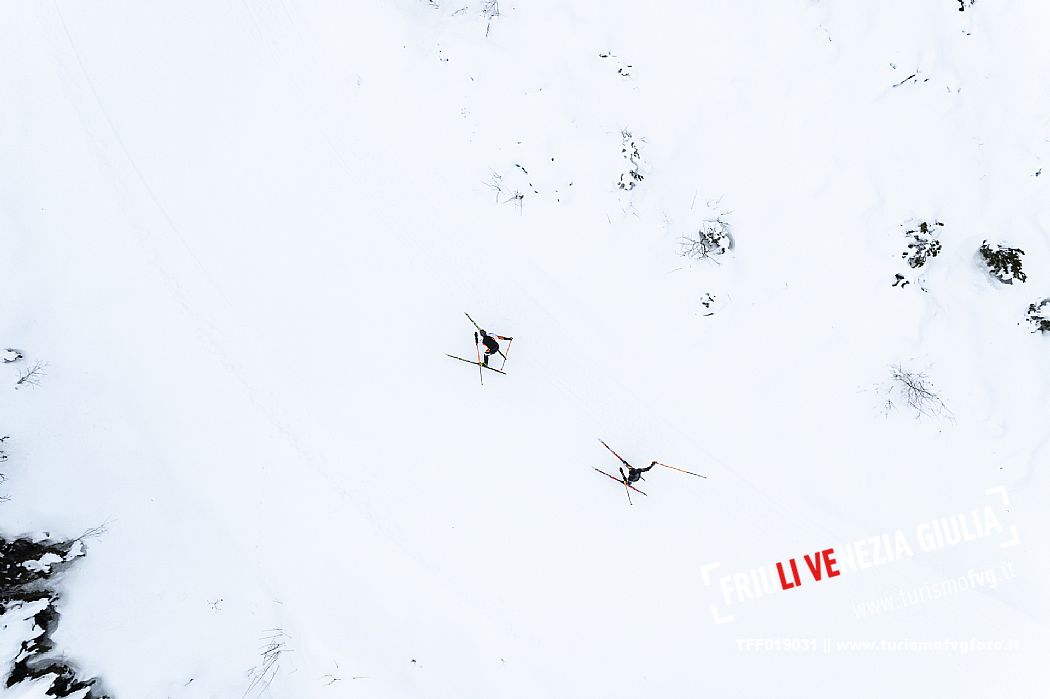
[(130, 159), (207, 334), (296, 85)]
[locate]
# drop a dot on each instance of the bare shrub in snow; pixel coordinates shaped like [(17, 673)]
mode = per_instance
[(31, 376), (916, 391), (93, 532), (963, 4), (1039, 316), (495, 183), (510, 187), (631, 153), (910, 80), (713, 238), (490, 11), (1003, 263), (10, 355), (517, 198), (275, 644)]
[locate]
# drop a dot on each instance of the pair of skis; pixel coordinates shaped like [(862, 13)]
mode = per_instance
[(623, 476), (482, 365)]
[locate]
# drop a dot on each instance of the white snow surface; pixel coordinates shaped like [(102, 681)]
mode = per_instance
[(241, 236)]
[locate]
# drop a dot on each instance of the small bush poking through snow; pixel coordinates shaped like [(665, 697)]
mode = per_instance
[(708, 301), (1004, 263), (3, 477), (923, 245), (1039, 316), (712, 239), (629, 148)]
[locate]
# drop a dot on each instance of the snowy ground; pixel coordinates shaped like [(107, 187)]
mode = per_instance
[(242, 237)]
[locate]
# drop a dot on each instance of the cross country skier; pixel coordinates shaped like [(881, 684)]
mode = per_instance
[(491, 346), (634, 474)]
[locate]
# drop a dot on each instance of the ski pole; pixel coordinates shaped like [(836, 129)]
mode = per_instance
[(508, 352), (481, 374), (680, 469)]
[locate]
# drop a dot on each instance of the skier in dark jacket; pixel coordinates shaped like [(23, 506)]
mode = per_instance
[(491, 346), (634, 474)]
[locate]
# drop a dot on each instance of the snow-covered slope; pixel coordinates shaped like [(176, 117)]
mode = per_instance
[(242, 237)]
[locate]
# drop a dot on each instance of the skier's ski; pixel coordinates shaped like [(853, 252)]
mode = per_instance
[(472, 321), (470, 361), (614, 453), (618, 480)]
